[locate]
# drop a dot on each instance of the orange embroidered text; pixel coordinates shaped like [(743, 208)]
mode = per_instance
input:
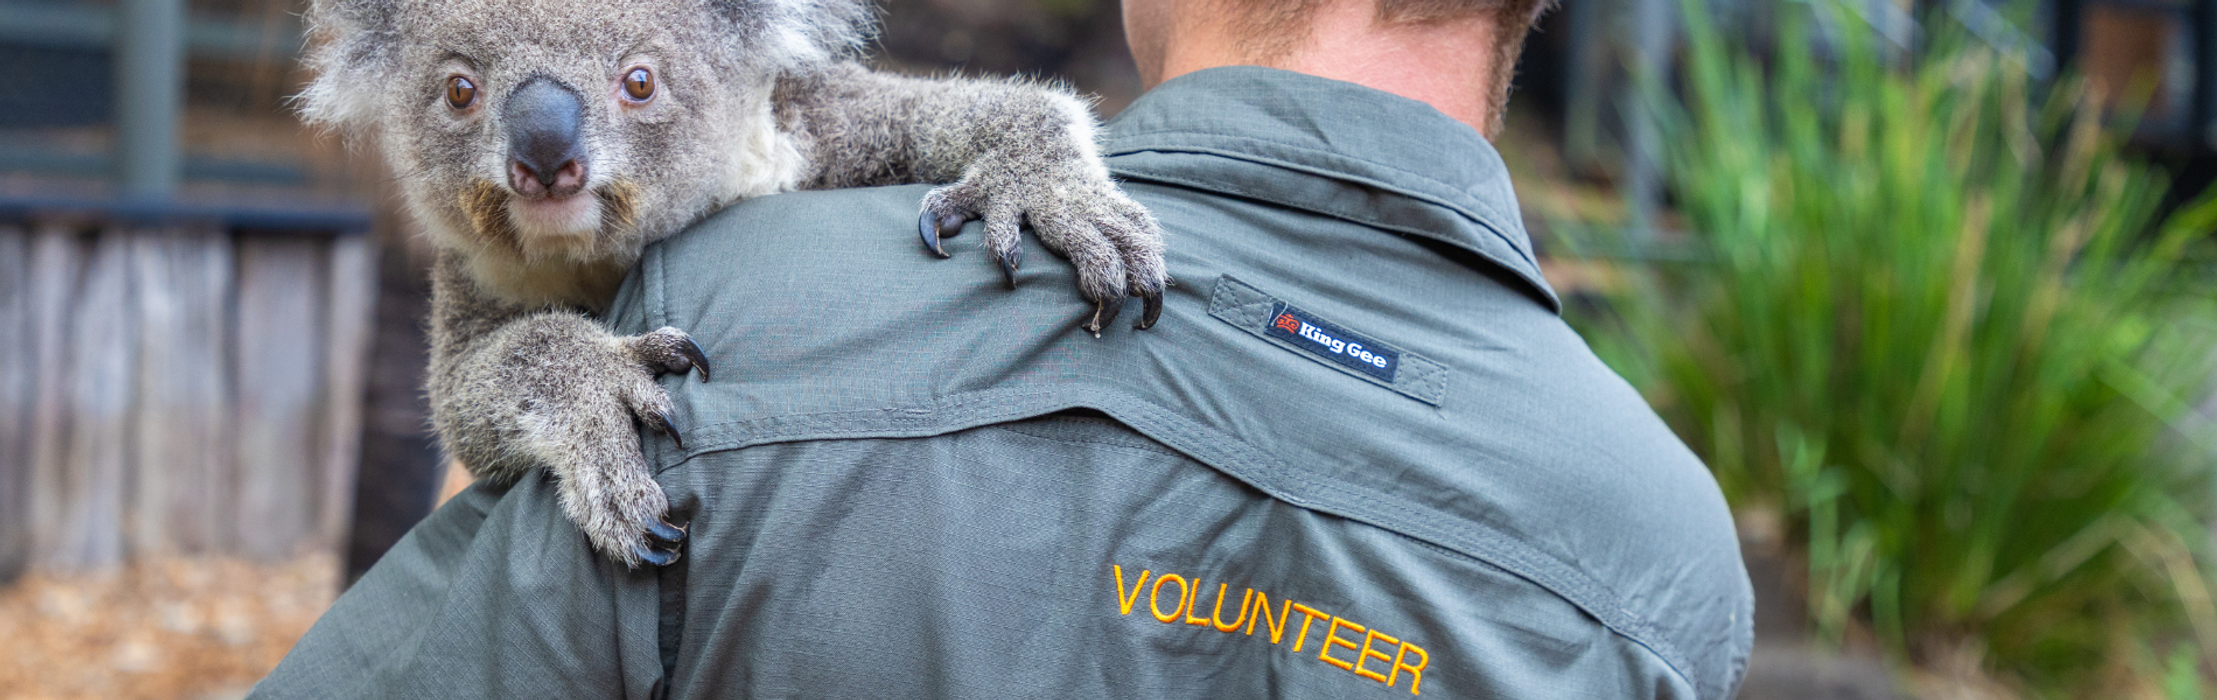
[(1342, 643)]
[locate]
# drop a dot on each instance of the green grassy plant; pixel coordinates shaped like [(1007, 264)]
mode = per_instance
[(1935, 322)]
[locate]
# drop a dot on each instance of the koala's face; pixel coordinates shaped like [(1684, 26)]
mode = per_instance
[(566, 129)]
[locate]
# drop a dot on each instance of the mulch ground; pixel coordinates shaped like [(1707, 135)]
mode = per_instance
[(170, 629)]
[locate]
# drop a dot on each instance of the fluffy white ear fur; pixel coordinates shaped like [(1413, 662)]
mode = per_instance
[(350, 43)]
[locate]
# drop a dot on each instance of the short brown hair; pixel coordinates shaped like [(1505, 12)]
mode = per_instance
[(1272, 28)]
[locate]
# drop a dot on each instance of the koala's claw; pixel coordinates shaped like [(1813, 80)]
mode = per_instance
[(662, 422), (934, 226), (1011, 259), (930, 233), (670, 350), (663, 531), (1104, 312), (1073, 210), (591, 433), (693, 353), (654, 556)]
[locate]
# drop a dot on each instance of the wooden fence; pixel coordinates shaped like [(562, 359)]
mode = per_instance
[(177, 389)]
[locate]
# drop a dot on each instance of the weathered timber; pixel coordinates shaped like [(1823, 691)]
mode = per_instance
[(183, 458), (96, 366), (279, 353), (353, 291), (56, 261), (177, 388), (16, 393)]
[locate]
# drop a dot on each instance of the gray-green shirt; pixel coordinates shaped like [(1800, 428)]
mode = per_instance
[(1360, 456)]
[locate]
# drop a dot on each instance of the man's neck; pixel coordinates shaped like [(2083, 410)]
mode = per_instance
[(1447, 65)]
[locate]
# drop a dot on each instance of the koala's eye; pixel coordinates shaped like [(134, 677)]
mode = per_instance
[(639, 84), (460, 92)]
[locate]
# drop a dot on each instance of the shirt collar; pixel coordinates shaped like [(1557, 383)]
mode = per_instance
[(1304, 125)]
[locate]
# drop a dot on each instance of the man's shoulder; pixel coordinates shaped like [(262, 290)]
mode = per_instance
[(1327, 364), (803, 226)]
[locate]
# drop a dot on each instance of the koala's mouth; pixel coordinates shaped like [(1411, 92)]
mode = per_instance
[(537, 217), (583, 227)]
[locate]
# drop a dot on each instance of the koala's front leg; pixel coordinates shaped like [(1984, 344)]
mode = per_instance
[(513, 388), (1016, 153)]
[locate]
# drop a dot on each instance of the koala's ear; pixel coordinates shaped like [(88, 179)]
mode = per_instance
[(794, 34), (354, 44)]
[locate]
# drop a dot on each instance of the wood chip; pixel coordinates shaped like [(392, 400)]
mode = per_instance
[(165, 629)]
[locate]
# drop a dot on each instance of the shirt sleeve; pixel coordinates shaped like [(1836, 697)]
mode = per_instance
[(495, 595)]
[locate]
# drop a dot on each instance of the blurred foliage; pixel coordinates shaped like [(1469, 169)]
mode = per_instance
[(1939, 321)]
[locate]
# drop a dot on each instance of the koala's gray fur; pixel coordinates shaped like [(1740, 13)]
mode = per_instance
[(753, 97)]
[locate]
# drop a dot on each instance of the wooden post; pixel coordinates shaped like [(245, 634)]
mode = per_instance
[(84, 481), (150, 94), (178, 390), (182, 486), (353, 295), (16, 395), (56, 261), (1655, 32), (2201, 119), (280, 360)]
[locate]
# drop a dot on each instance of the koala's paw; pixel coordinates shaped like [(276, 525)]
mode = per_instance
[(1075, 210), (592, 444)]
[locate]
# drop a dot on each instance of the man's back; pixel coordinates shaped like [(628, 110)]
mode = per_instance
[(1359, 454)]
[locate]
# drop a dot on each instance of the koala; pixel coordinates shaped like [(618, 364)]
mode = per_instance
[(541, 144)]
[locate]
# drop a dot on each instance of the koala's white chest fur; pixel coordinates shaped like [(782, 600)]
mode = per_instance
[(559, 282)]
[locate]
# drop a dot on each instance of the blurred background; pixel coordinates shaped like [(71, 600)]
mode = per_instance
[(1928, 283)]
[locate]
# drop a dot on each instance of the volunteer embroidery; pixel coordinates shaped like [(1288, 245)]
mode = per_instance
[(1338, 345), (1375, 655)]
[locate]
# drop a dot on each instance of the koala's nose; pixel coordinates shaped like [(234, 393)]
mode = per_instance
[(545, 155)]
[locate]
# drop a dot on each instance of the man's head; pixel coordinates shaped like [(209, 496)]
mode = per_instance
[(1457, 55)]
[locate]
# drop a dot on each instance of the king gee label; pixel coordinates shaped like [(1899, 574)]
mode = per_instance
[(1334, 344)]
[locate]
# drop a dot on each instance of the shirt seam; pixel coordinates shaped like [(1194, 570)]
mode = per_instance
[(1527, 271), (1109, 443), (1274, 199), (1467, 209), (1114, 151)]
